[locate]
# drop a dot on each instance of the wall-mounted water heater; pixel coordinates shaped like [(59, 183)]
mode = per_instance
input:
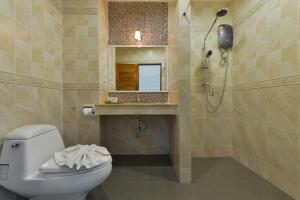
[(225, 36)]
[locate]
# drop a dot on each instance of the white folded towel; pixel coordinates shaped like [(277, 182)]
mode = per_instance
[(82, 155)]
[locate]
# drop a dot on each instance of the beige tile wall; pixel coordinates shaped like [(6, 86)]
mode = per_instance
[(211, 133), (179, 88), (203, 14), (266, 95), (81, 70), (266, 134), (31, 39), (81, 30), (103, 50), (172, 43), (31, 35), (80, 5), (23, 105), (265, 42), (79, 129), (173, 66), (31, 63), (111, 68)]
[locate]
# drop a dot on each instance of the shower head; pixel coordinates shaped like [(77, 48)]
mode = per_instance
[(209, 53), (222, 12)]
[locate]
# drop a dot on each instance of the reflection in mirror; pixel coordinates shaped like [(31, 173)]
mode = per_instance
[(150, 77), (138, 69)]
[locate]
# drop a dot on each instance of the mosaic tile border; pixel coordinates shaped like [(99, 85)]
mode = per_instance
[(81, 86), (80, 11), (180, 84), (141, 97), (276, 82), (216, 88), (84, 86), (28, 81)]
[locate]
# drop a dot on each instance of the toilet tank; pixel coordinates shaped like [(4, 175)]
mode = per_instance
[(25, 149)]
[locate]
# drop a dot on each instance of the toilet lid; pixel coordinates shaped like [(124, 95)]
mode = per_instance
[(50, 167)]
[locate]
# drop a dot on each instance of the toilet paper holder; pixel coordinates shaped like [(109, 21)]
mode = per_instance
[(88, 110)]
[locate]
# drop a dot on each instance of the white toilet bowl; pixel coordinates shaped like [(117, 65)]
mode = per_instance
[(27, 167)]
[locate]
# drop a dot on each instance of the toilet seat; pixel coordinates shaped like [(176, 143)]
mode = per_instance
[(26, 172), (51, 170)]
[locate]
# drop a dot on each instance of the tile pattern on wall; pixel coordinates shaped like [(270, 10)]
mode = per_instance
[(22, 104), (81, 33), (203, 14), (266, 133), (179, 87), (172, 44), (31, 68), (151, 18), (31, 63), (81, 4), (140, 97), (211, 133), (80, 129), (81, 70), (28, 100), (31, 39), (265, 41), (29, 81), (103, 45), (80, 11), (266, 94)]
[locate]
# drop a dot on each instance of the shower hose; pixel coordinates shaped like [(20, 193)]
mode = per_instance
[(223, 63)]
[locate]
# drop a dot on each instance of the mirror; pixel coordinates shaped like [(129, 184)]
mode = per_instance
[(138, 69)]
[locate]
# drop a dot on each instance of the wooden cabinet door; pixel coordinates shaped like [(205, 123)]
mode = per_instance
[(127, 77)]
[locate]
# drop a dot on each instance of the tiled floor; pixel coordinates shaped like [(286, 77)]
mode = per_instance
[(213, 179)]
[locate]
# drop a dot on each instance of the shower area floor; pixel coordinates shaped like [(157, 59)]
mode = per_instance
[(213, 179)]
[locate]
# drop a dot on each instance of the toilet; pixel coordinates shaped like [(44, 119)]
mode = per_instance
[(27, 166)]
